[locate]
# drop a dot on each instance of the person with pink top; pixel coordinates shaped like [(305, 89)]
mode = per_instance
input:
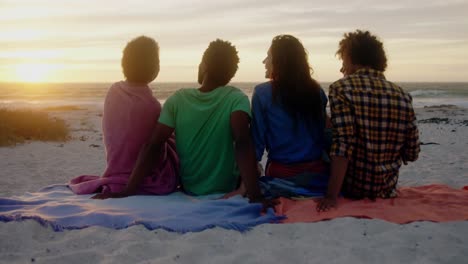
[(130, 115)]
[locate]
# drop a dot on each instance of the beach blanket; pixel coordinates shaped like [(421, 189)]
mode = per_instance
[(58, 207), (303, 185), (436, 203), (130, 114)]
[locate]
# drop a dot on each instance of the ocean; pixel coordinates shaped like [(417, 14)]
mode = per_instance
[(20, 95)]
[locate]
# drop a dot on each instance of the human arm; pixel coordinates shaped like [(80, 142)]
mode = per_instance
[(338, 168), (239, 191), (342, 146), (245, 154), (257, 129), (411, 147), (245, 157), (145, 162)]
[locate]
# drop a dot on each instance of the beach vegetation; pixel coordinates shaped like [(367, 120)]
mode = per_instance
[(20, 125), (63, 108)]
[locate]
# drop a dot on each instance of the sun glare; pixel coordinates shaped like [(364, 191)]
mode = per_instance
[(34, 72)]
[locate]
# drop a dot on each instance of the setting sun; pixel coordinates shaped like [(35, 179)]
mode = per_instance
[(34, 72)]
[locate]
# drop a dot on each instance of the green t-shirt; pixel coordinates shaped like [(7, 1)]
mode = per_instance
[(204, 138)]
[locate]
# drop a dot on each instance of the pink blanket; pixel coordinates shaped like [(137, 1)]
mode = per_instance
[(130, 114), (437, 203)]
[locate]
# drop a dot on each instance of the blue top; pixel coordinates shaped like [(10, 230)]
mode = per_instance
[(273, 129)]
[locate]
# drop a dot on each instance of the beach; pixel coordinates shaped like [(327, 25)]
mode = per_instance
[(63, 62), (29, 167)]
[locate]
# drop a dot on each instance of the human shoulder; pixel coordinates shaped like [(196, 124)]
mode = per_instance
[(395, 86), (263, 88), (340, 85), (232, 89), (406, 95), (185, 91), (182, 92), (234, 92), (343, 81), (234, 99), (116, 86), (262, 93), (115, 91), (176, 98)]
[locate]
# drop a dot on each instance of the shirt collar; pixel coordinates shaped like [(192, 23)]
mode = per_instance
[(370, 72)]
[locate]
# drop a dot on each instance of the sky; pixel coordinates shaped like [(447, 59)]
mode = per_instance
[(82, 40)]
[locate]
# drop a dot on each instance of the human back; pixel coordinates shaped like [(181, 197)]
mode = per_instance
[(374, 124), (211, 125), (289, 111), (383, 117), (203, 137), (129, 118), (123, 133), (287, 141)]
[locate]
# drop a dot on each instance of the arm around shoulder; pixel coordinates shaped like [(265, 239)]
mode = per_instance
[(147, 155), (145, 162)]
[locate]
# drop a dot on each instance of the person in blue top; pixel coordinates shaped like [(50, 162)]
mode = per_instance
[(288, 112)]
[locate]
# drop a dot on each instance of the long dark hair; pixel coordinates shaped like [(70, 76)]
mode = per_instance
[(293, 86)]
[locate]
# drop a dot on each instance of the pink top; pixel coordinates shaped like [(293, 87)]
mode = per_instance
[(130, 115)]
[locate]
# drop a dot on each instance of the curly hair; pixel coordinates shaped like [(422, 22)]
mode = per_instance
[(293, 85), (364, 49), (140, 60), (221, 61)]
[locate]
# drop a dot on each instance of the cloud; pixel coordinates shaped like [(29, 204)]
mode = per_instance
[(97, 31)]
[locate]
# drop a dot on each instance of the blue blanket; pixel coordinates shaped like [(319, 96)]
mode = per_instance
[(58, 207)]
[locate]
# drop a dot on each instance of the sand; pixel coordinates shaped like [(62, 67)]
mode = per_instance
[(28, 167)]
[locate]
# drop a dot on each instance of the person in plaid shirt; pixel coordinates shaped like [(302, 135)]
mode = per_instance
[(374, 125)]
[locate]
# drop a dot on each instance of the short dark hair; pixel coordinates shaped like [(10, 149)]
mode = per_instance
[(364, 49), (140, 60), (221, 61)]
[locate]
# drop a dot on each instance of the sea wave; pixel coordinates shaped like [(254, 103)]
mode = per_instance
[(88, 94), (428, 93)]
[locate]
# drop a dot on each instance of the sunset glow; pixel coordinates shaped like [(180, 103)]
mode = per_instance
[(34, 72), (426, 40)]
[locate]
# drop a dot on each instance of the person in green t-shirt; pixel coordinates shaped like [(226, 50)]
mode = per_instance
[(204, 139), (211, 125)]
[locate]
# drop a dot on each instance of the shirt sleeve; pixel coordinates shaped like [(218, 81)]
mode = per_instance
[(324, 98), (168, 112), (343, 123), (258, 126), (411, 148), (241, 103)]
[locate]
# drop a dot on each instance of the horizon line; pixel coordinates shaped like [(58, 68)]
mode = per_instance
[(191, 82)]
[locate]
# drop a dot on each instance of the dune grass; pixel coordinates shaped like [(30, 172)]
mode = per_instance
[(64, 108), (20, 125)]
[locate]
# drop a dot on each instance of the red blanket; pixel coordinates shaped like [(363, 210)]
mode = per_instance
[(437, 203)]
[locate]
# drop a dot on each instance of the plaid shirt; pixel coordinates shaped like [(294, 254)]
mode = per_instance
[(374, 127)]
